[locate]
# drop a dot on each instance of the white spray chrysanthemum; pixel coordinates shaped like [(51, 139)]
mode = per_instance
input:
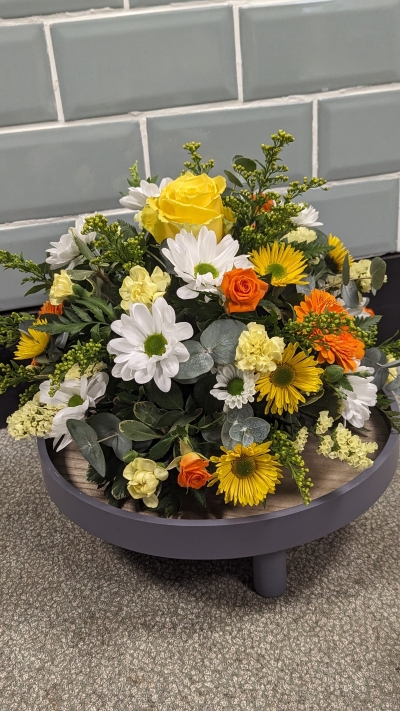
[(358, 401), (136, 198), (308, 217), (236, 387), (149, 347), (65, 252), (202, 261)]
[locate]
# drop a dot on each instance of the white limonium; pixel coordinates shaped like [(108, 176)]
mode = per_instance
[(236, 387), (136, 198), (202, 262), (76, 396), (65, 253), (308, 217), (149, 347), (357, 403)]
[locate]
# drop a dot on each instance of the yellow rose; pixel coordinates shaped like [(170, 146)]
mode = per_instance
[(188, 202), (141, 287), (144, 476), (61, 288)]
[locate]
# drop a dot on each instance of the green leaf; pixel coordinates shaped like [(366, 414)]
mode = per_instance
[(253, 429), (199, 362), (119, 489), (158, 450), (137, 431), (34, 289), (377, 271), (81, 313), (187, 418), (329, 401), (246, 163), (366, 323), (199, 495), (86, 439), (83, 248), (346, 270), (130, 456), (349, 295), (221, 339), (106, 425), (203, 396), (93, 476), (55, 328), (147, 412), (169, 418), (232, 177), (97, 313), (172, 400), (79, 274)]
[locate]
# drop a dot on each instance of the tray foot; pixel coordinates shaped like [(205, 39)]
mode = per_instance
[(269, 572)]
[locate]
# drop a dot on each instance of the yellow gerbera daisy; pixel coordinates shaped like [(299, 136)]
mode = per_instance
[(282, 387), (338, 254), (284, 263), (246, 474), (33, 343)]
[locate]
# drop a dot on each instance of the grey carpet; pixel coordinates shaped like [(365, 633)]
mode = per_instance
[(90, 627)]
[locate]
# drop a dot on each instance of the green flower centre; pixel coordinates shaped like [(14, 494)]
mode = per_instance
[(277, 271), (244, 467), (155, 344), (282, 376), (235, 386), (204, 268), (75, 400)]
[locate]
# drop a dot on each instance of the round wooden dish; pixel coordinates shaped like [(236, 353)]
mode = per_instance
[(339, 495)]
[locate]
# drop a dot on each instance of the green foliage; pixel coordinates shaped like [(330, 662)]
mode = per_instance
[(284, 449), (134, 182), (384, 405), (12, 374), (120, 245), (195, 165), (39, 274), (86, 439), (391, 347), (85, 355), (28, 393), (9, 328)]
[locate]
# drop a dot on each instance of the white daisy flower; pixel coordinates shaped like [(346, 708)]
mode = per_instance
[(308, 217), (77, 395), (202, 262), (136, 198), (65, 253), (236, 387), (150, 345), (357, 403)]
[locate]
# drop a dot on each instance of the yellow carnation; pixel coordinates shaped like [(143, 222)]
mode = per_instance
[(302, 234), (61, 288), (257, 351), (392, 372), (144, 476), (188, 202), (141, 287)]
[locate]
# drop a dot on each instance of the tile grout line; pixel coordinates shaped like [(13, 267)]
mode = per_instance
[(126, 5), (238, 51), (145, 145), (315, 138), (54, 75), (398, 225)]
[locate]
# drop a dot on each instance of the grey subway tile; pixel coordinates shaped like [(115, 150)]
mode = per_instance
[(224, 133), (66, 170), (25, 8), (26, 90), (317, 46), (359, 135), (364, 215), (143, 62)]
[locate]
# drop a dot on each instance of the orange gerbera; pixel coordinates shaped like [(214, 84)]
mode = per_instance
[(343, 349), (48, 308), (318, 301)]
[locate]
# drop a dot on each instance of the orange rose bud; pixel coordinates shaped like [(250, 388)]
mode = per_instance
[(48, 308), (243, 290), (193, 473)]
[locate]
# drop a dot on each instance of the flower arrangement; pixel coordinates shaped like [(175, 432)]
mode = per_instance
[(205, 344)]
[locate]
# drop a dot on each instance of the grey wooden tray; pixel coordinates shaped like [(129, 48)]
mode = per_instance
[(339, 496)]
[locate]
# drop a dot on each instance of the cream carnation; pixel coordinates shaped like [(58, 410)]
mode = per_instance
[(302, 234), (141, 287), (61, 288), (144, 477), (257, 351)]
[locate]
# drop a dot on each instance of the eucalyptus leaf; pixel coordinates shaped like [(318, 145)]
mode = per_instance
[(86, 439), (199, 362), (137, 431), (221, 339), (232, 177), (246, 163), (377, 271), (346, 270), (252, 429), (106, 425), (394, 384), (236, 414), (349, 295), (306, 288)]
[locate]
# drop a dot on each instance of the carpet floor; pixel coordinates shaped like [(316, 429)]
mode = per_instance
[(86, 626)]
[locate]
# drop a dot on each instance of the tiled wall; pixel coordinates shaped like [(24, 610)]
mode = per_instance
[(89, 86)]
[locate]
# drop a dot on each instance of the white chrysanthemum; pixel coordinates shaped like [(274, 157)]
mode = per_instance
[(150, 346), (357, 403), (76, 396), (65, 253), (236, 387), (308, 217), (202, 262), (136, 198)]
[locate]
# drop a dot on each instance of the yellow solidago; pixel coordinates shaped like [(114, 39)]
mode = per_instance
[(246, 474), (33, 343), (257, 351), (285, 264), (296, 372), (337, 255), (347, 447), (141, 287), (32, 420), (61, 288)]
